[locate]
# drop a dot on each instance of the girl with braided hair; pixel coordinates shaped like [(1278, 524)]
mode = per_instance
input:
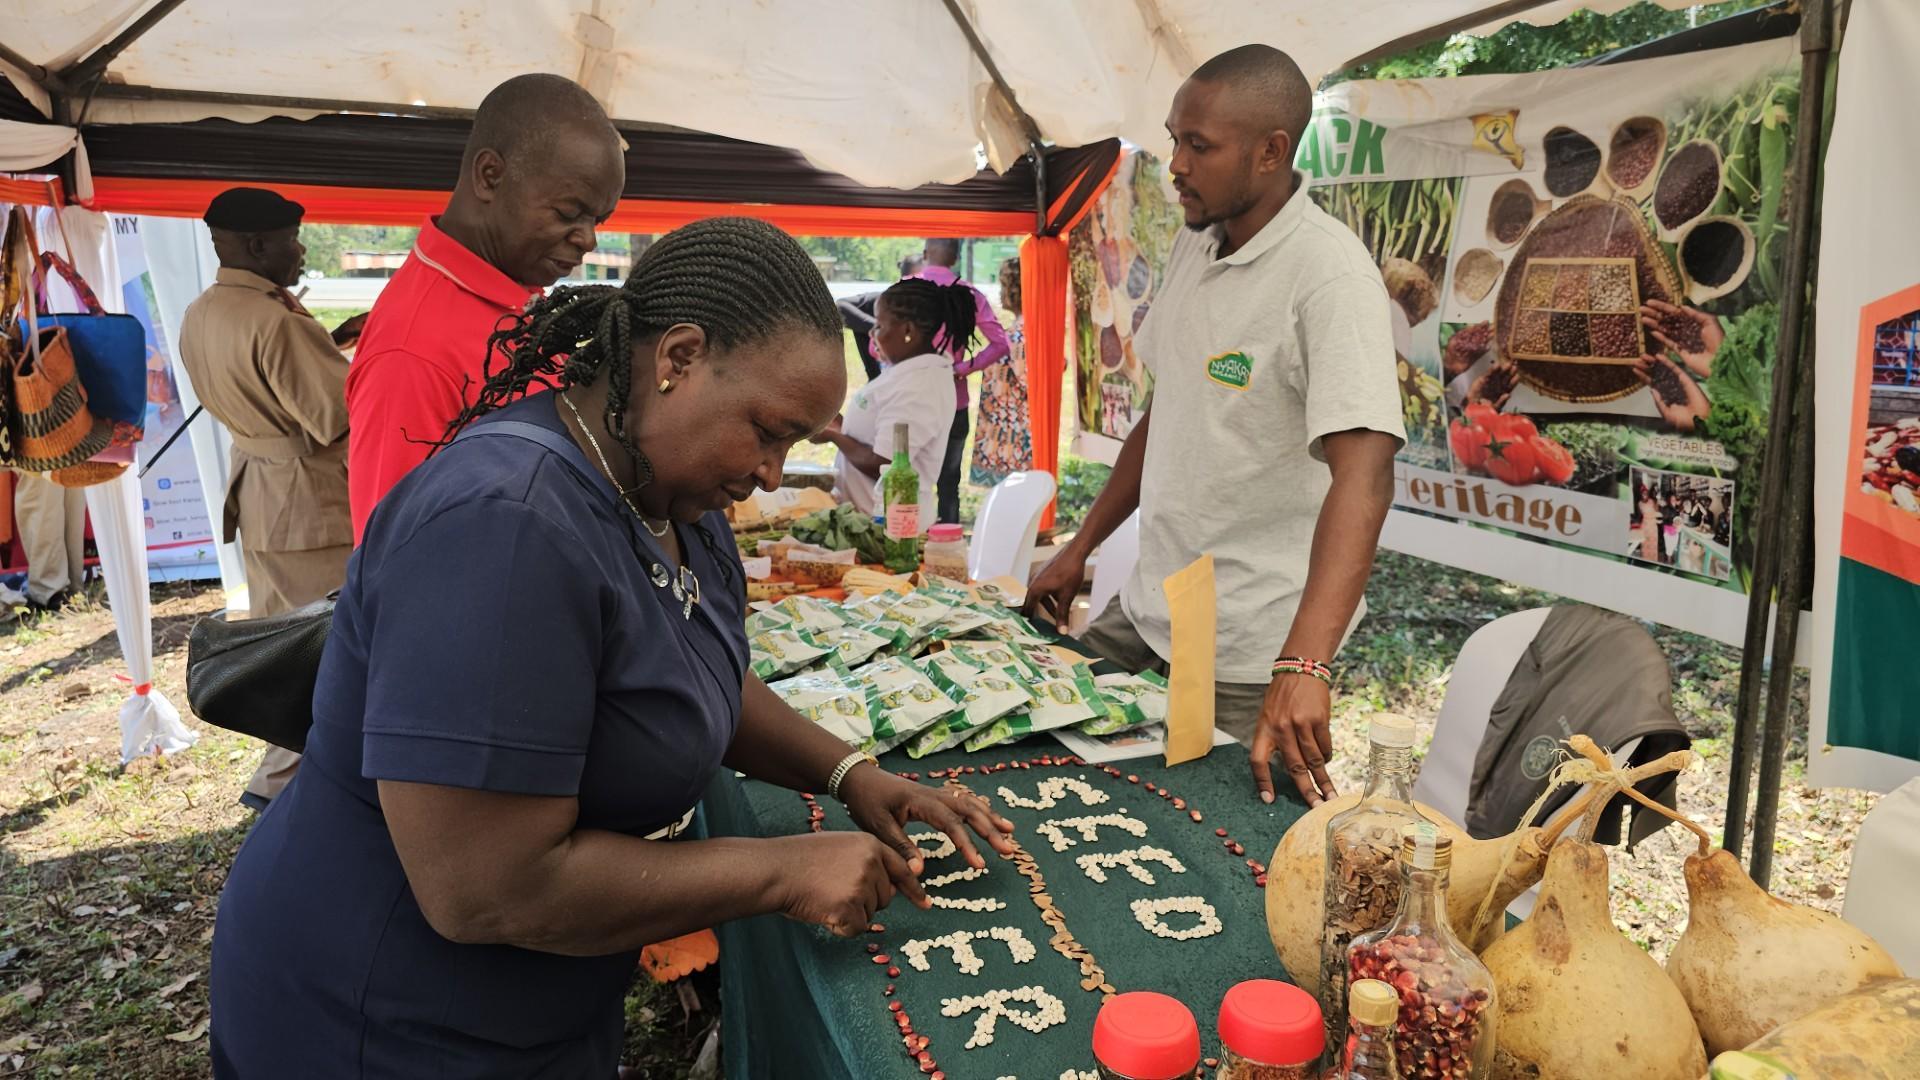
[(914, 322), (537, 664)]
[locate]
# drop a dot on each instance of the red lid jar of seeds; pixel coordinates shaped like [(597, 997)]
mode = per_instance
[(1270, 1030), (1145, 1036)]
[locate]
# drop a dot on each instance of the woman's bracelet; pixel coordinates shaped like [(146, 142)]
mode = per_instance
[(846, 765), (1300, 665)]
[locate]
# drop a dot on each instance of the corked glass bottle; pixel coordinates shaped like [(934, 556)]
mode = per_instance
[(1362, 880), (1445, 1029)]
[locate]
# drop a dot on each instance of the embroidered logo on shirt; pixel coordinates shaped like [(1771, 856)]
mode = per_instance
[(1233, 370)]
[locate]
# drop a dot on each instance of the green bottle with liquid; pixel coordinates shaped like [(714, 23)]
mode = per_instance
[(900, 493)]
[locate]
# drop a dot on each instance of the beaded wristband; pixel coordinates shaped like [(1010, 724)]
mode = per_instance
[(1300, 665), (841, 770)]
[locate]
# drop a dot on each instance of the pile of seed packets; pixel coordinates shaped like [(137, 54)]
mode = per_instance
[(935, 668)]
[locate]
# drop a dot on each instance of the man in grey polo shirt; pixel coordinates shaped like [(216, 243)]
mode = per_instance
[(1270, 437)]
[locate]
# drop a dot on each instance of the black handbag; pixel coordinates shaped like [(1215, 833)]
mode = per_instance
[(256, 676)]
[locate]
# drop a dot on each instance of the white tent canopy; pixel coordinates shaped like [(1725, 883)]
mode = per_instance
[(887, 92)]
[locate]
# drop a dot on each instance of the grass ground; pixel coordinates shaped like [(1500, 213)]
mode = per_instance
[(109, 877)]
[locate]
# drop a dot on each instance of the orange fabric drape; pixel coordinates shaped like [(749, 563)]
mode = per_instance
[(1043, 296), (32, 192), (407, 207)]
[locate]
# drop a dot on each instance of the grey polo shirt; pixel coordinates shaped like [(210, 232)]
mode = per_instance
[(1255, 358)]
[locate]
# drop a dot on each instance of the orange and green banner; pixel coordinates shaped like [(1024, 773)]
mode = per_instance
[(1865, 729)]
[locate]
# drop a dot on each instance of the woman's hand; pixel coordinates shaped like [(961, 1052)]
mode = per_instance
[(882, 804), (837, 880)]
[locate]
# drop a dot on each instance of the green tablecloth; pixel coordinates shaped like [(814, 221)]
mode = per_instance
[(799, 1003)]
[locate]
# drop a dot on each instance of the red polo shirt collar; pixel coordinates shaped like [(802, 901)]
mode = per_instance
[(469, 271)]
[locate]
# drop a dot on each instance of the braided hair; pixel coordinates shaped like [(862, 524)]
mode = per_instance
[(738, 279), (944, 314)]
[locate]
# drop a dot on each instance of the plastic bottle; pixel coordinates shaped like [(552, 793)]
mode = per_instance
[(900, 491), (1270, 1030), (1372, 1009), (1362, 879), (946, 553), (1145, 1036), (1446, 994)]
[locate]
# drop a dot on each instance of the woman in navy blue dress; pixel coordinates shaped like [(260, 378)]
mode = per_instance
[(537, 664)]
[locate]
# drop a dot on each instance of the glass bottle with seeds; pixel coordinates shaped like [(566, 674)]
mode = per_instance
[(1445, 1029), (1362, 882)]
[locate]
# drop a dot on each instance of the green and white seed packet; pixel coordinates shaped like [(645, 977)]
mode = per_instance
[(778, 652), (1058, 703), (831, 698), (812, 615), (1133, 701), (903, 698), (852, 645), (984, 695), (766, 620)]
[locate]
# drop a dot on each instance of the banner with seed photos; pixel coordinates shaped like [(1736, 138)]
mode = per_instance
[(1584, 266)]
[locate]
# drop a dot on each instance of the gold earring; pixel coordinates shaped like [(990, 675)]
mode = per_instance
[(666, 385)]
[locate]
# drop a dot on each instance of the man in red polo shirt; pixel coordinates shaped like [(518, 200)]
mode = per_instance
[(542, 168)]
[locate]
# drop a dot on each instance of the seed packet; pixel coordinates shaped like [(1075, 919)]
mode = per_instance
[(1058, 703), (985, 696), (767, 619), (983, 655), (807, 613), (903, 699), (778, 652), (1133, 701), (960, 621), (1012, 629), (833, 699), (852, 645)]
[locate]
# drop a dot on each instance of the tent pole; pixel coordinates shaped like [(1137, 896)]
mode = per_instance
[(1780, 447), (1816, 47), (1036, 143), (96, 64), (44, 79)]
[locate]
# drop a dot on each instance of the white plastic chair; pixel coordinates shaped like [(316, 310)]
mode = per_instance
[(1112, 566), (1009, 523), (1479, 676), (1886, 874)]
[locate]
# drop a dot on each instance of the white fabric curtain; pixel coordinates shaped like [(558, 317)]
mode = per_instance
[(149, 723), (30, 147)]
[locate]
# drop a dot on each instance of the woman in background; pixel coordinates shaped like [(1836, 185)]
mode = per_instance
[(1003, 445)]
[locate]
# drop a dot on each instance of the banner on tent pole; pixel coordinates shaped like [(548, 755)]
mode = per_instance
[(1865, 726), (1585, 267), (179, 534)]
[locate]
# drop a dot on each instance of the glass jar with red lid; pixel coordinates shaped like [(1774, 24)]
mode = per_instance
[(1145, 1036)]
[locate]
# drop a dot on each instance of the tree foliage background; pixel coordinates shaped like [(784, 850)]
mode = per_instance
[(1520, 47)]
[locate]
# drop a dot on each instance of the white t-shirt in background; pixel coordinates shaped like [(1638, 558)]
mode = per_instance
[(918, 393), (1255, 358)]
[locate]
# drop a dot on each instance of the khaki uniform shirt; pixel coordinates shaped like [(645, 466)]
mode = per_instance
[(271, 373)]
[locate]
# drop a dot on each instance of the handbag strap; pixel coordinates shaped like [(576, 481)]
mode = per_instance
[(52, 261), (562, 446)]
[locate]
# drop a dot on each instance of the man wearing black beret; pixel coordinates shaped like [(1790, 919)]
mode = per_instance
[(272, 374)]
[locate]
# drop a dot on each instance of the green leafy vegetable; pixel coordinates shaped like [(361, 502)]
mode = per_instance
[(843, 529)]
